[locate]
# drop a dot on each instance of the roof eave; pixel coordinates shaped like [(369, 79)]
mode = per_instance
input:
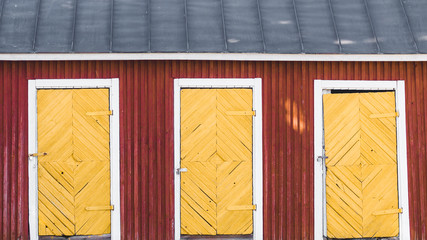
[(213, 56)]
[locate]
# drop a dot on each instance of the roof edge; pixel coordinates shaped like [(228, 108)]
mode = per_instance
[(213, 56)]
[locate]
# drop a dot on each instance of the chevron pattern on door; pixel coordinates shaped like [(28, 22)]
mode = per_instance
[(75, 173), (216, 148), (361, 168)]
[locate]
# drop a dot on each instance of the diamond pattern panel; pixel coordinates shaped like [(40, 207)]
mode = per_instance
[(361, 176), (75, 174), (216, 148)]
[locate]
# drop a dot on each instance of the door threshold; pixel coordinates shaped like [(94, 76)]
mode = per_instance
[(375, 238), (89, 237), (217, 237)]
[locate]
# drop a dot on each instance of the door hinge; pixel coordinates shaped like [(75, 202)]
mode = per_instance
[(241, 113), (241, 207), (388, 211), (100, 208), (37, 154), (384, 115), (100, 113)]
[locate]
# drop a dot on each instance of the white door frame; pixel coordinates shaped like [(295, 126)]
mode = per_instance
[(319, 174), (113, 85), (255, 84)]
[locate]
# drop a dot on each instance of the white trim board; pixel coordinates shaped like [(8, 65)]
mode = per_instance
[(213, 56), (255, 84), (319, 177), (113, 85)]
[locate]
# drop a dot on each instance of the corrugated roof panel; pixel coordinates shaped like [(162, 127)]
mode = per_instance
[(242, 26), (391, 26), (317, 27), (93, 26), (17, 25), (417, 14), (205, 26), (286, 26), (168, 27), (354, 28), (280, 27), (131, 30), (55, 26)]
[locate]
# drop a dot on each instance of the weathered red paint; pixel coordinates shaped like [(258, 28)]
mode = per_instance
[(146, 137)]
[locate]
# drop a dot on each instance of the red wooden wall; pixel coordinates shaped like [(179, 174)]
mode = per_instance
[(146, 137)]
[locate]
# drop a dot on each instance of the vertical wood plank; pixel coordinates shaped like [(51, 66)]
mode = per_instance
[(289, 172), (6, 150), (14, 146), (281, 191)]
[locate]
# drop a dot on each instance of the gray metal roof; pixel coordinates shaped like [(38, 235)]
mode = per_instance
[(235, 26)]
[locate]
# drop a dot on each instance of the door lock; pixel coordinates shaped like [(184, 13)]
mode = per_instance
[(180, 170)]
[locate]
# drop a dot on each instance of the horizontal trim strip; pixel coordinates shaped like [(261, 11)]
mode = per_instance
[(213, 56)]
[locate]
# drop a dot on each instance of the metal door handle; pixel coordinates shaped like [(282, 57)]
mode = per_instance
[(37, 154), (180, 170), (321, 158)]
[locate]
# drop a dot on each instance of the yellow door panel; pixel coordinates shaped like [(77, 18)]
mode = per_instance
[(344, 202), (343, 132), (234, 175), (380, 193), (198, 119), (75, 173), (92, 190), (54, 122), (56, 200), (379, 134), (91, 134), (234, 132), (234, 188), (56, 205), (198, 155), (216, 150), (198, 198), (361, 175)]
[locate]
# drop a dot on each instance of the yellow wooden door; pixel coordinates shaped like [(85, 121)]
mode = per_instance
[(74, 176), (216, 150), (361, 168)]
